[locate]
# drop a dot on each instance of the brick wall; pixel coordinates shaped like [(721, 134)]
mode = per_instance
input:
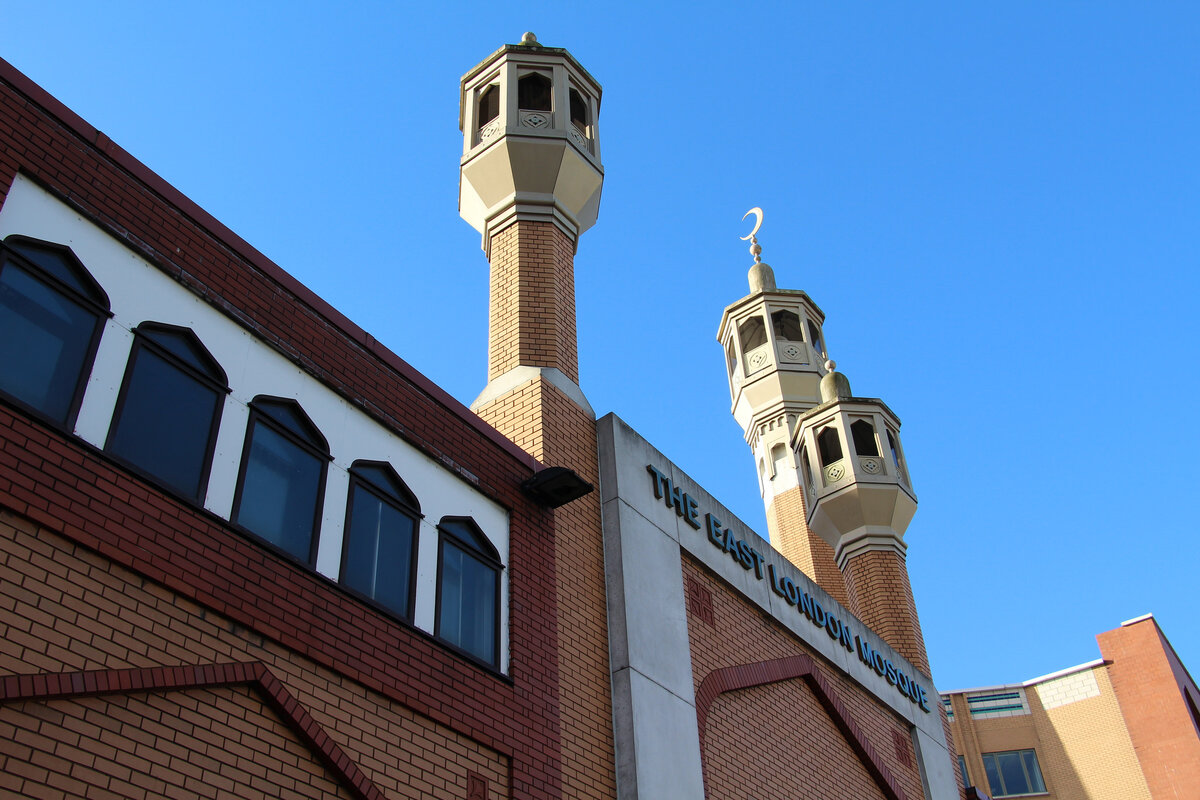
[(787, 524), (881, 596), (779, 739), (395, 684), (1150, 685), (542, 420), (531, 314)]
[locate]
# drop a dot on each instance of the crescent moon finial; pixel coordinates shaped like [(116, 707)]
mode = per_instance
[(755, 247), (757, 212)]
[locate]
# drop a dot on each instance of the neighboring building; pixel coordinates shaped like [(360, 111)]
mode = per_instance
[(1124, 727), (247, 551)]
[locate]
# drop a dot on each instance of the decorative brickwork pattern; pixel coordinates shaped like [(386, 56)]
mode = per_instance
[(531, 316), (877, 581), (530, 261), (124, 739), (829, 747), (787, 525), (799, 704), (700, 604), (1153, 689), (70, 610)]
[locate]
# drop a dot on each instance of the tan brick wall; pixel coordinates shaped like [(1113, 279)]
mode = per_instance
[(533, 324), (787, 525), (1082, 745), (65, 608), (531, 315), (750, 733), (881, 596), (204, 743), (1096, 757)]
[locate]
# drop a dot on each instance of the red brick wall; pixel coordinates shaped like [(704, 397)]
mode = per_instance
[(1150, 683), (69, 490), (779, 740)]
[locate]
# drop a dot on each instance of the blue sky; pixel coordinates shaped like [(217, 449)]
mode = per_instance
[(994, 204)]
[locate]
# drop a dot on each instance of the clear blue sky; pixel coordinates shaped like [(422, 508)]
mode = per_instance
[(994, 203)]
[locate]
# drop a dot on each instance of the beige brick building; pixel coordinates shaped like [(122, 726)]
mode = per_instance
[(1123, 727)]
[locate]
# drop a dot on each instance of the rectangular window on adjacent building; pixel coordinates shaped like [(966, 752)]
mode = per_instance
[(1013, 772)]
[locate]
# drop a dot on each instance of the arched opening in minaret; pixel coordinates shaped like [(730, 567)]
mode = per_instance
[(778, 459), (806, 469), (579, 111), (753, 334), (829, 446), (896, 459), (533, 92), (863, 434), (786, 325), (489, 104), (814, 335)]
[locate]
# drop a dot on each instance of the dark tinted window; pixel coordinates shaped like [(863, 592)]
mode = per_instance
[(468, 590), (282, 479), (381, 534), (50, 318), (168, 409)]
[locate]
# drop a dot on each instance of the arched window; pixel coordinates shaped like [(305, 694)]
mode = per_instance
[(579, 111), (829, 446), (51, 315), (533, 92), (731, 356), (787, 326), (281, 485), (814, 334), (468, 600), (863, 433), (489, 104), (168, 409), (380, 544)]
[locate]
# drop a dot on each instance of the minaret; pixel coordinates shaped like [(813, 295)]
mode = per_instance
[(530, 184), (774, 357), (860, 501)]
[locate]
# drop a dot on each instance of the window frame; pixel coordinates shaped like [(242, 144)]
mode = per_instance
[(141, 341), (1002, 792), (489, 559), (413, 511), (100, 306), (323, 457)]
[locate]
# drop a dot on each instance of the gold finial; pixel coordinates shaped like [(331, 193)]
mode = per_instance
[(755, 247)]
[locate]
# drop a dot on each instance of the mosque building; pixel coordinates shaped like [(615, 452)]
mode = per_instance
[(248, 551)]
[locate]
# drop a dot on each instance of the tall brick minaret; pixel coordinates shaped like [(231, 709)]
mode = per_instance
[(860, 502), (830, 467), (774, 357), (530, 184)]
